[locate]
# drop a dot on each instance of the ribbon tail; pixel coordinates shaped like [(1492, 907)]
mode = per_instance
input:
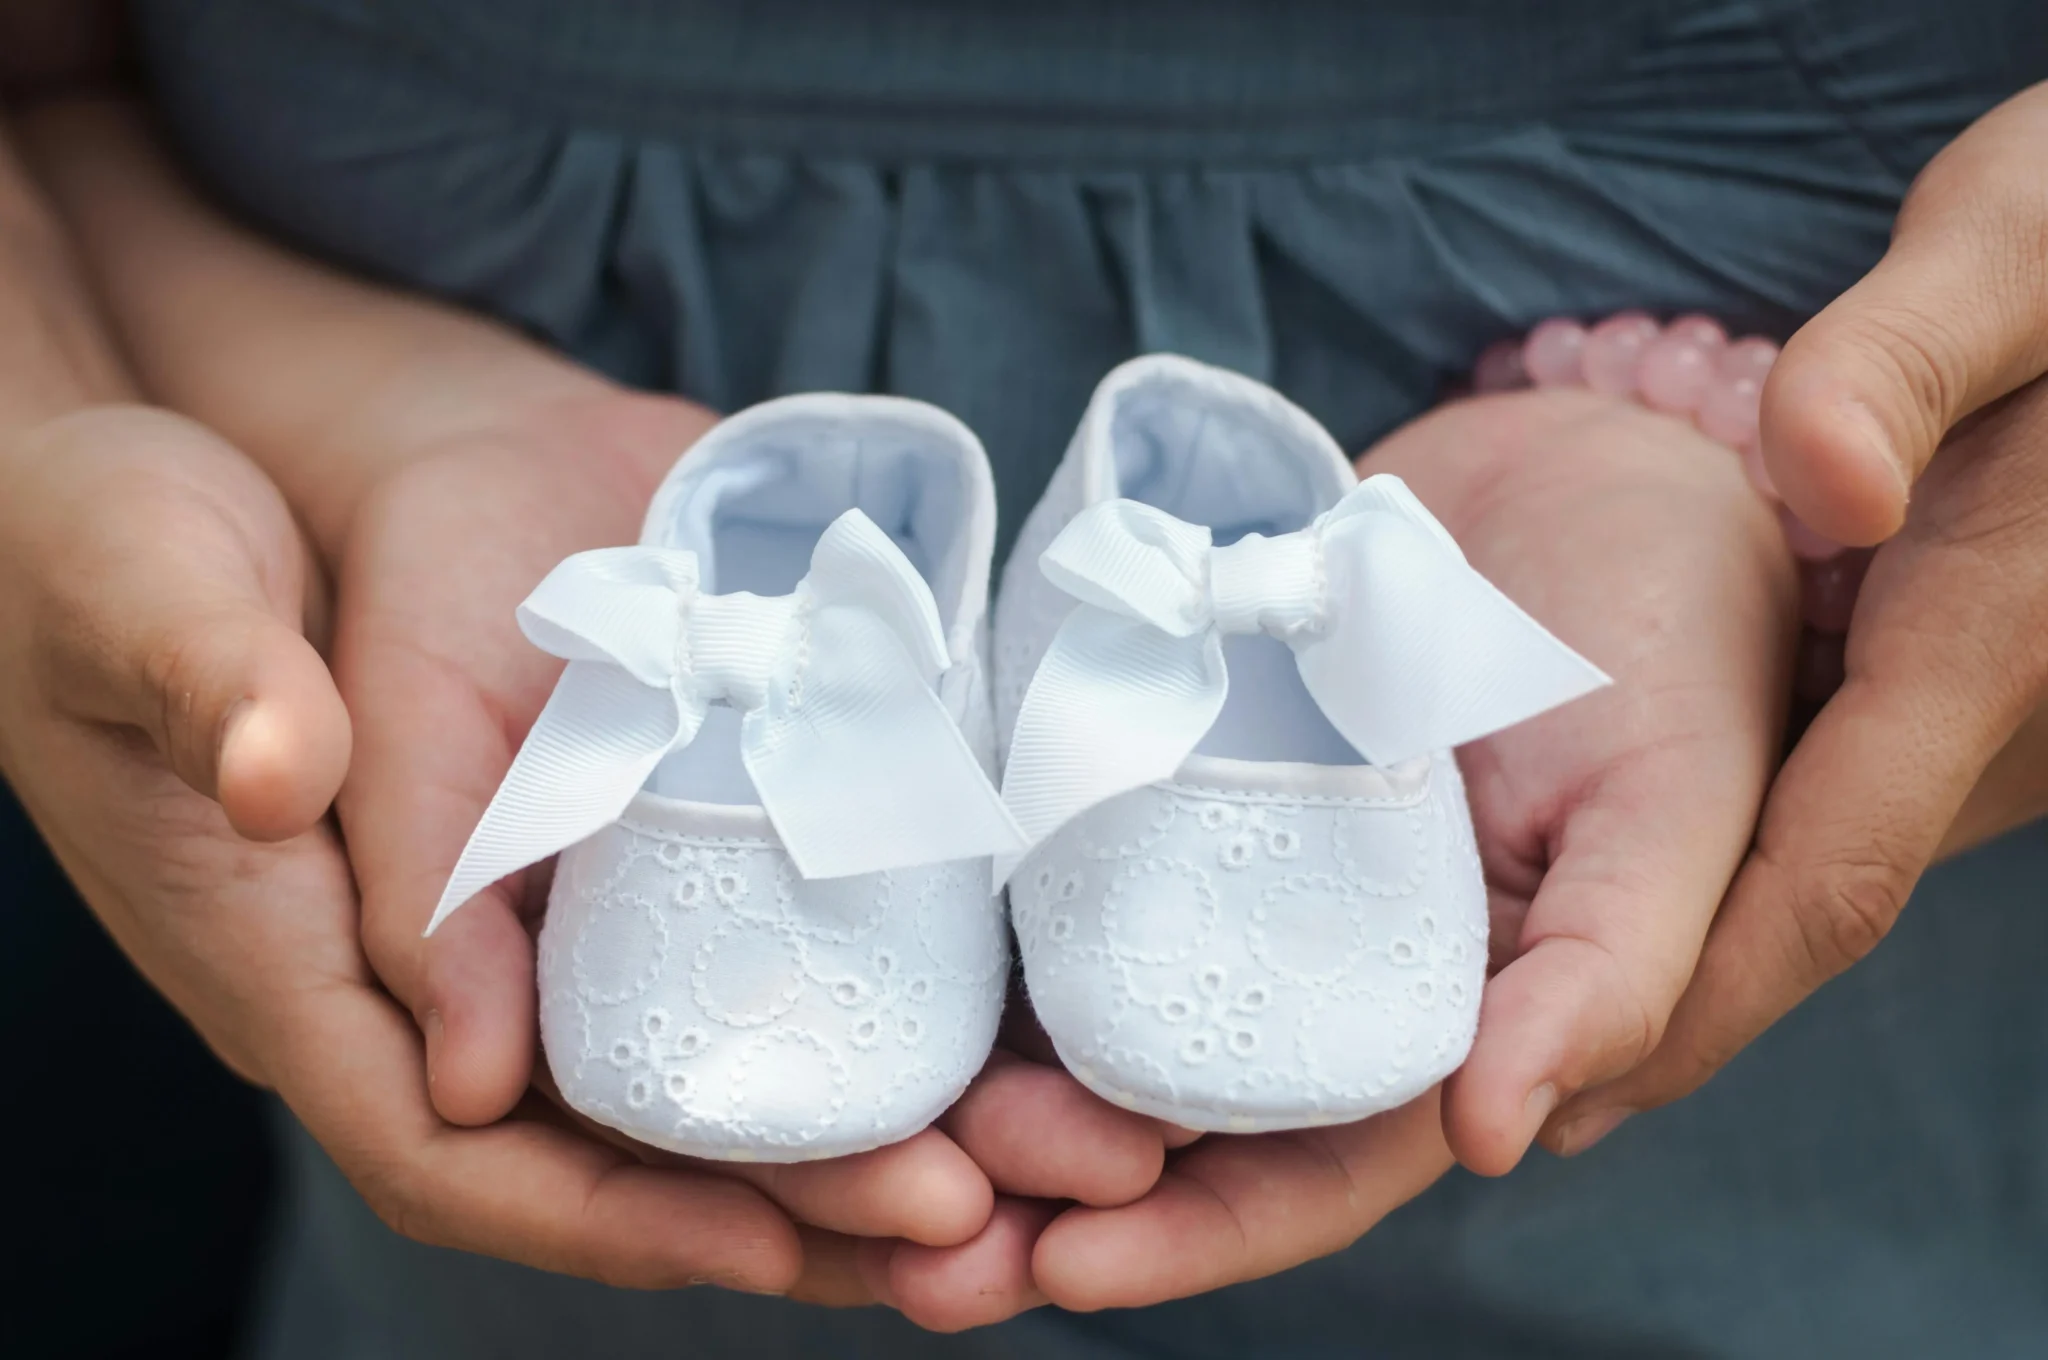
[(860, 767), (1431, 656), (1116, 704), (592, 748), (856, 563)]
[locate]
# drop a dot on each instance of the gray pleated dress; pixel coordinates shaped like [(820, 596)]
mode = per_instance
[(987, 205)]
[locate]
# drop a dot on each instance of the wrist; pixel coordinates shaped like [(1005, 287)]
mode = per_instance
[(54, 354), (1690, 369)]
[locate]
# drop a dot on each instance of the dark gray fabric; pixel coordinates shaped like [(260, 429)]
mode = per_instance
[(1739, 158), (986, 205)]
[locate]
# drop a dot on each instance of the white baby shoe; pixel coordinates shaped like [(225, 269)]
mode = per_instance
[(772, 934), (1229, 676)]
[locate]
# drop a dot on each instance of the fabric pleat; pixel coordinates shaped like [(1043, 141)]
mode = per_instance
[(678, 228)]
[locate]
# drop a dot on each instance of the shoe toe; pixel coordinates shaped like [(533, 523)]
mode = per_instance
[(699, 996), (1240, 962)]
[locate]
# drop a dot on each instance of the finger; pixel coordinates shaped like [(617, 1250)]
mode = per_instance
[(832, 1275), (1037, 1132), (173, 585), (1233, 1209), (1947, 322), (1948, 657), (1611, 937), (350, 1066), (443, 688), (924, 1189), (983, 1281), (2012, 792)]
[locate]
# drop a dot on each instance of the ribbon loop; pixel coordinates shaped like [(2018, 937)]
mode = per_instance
[(852, 753), (1402, 645)]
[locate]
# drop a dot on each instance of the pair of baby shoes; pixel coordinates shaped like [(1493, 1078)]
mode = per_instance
[(1228, 676)]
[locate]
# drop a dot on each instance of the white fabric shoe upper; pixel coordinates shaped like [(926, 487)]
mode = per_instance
[(1240, 861), (1227, 918), (771, 934)]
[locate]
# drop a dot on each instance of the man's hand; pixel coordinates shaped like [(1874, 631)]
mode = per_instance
[(153, 597), (1927, 376)]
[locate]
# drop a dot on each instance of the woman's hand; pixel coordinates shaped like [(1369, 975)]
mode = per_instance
[(1609, 828), (443, 465), (1913, 410), (443, 688)]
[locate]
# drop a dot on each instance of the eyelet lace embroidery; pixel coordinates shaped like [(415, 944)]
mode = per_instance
[(698, 994), (1230, 952)]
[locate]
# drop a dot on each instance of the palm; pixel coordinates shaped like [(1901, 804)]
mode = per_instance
[(443, 688), (1609, 828)]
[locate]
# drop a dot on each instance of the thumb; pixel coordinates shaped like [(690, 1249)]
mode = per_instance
[(1952, 318), (1609, 940), (174, 586), (1948, 656)]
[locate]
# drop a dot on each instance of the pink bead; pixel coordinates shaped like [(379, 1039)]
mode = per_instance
[(1500, 368), (1827, 590), (1807, 545), (1759, 474), (1750, 357), (1614, 350), (1818, 672), (1674, 373), (1553, 352), (1728, 409), (1703, 331)]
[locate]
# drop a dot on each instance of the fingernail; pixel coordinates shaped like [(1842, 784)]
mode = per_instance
[(236, 714), (871, 1261), (1879, 442), (1538, 1106), (1583, 1132), (430, 1028)]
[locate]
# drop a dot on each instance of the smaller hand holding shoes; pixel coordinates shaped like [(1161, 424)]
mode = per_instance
[(1238, 855)]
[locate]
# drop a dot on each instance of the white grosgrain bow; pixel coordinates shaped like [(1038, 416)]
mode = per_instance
[(1404, 647), (857, 762)]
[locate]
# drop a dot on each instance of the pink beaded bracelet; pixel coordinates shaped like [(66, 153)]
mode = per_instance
[(1690, 368)]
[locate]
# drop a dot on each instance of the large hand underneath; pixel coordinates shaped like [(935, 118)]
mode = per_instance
[(153, 588), (1930, 375), (443, 465)]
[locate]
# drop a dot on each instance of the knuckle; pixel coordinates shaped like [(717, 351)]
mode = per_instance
[(393, 946), (1918, 353), (1633, 1010), (1844, 915), (399, 1206), (1694, 1063), (180, 671)]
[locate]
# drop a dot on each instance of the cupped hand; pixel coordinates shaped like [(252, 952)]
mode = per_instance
[(443, 465), (443, 687), (1609, 828), (1913, 410), (155, 600)]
